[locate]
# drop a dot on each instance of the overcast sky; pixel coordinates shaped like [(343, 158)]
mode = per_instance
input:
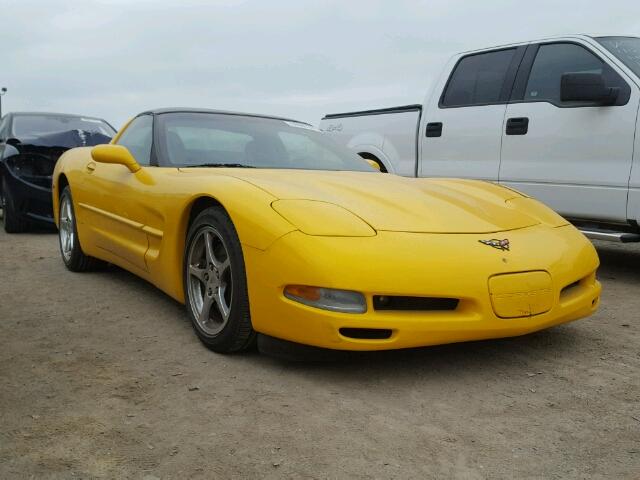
[(301, 59)]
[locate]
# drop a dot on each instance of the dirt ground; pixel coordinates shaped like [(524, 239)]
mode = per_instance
[(102, 377)]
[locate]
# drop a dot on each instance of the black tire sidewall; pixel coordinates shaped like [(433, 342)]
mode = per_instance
[(13, 223), (77, 258), (237, 333)]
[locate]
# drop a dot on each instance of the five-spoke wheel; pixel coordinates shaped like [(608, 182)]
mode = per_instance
[(215, 283), (210, 280), (72, 255), (66, 228)]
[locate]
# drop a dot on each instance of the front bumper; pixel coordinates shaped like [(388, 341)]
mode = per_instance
[(423, 265), (32, 201)]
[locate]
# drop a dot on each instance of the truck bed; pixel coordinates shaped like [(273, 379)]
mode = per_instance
[(387, 135)]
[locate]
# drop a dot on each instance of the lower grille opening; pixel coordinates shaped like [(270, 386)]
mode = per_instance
[(569, 287), (390, 302), (366, 333)]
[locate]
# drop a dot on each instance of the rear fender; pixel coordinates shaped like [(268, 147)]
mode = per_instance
[(374, 152)]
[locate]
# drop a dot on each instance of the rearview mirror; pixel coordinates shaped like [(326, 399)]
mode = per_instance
[(373, 163), (587, 87), (115, 154)]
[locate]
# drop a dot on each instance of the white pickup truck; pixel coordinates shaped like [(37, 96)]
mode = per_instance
[(556, 119)]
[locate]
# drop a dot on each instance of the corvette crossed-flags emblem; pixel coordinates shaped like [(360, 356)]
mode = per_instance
[(495, 243)]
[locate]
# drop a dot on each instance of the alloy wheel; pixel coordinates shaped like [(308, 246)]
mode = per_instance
[(209, 281), (67, 232)]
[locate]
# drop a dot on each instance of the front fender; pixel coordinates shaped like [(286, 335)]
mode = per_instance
[(376, 152), (69, 166)]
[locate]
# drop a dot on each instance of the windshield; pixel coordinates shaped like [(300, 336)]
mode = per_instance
[(212, 139), (34, 125), (627, 49)]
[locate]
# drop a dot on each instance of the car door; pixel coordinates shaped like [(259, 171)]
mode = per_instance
[(574, 156), (461, 129), (112, 197)]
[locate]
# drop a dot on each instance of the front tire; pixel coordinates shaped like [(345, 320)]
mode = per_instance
[(215, 283), (72, 255), (13, 221)]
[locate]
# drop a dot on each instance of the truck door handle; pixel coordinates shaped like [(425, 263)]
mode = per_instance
[(517, 126), (434, 129), (91, 166)]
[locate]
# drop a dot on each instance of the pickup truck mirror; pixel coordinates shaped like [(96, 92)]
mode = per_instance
[(587, 87)]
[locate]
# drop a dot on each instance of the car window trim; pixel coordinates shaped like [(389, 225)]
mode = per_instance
[(507, 85), (152, 158), (524, 72)]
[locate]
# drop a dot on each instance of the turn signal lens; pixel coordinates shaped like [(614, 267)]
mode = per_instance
[(344, 301)]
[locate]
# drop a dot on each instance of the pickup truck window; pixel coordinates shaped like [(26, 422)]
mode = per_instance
[(555, 59), (478, 79), (627, 49)]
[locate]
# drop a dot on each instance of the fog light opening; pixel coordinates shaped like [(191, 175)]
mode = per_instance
[(366, 333), (345, 301)]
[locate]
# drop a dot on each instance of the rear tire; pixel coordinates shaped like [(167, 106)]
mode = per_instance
[(72, 255), (13, 221), (215, 284)]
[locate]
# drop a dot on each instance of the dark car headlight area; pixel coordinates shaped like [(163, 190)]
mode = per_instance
[(26, 179), (32, 168)]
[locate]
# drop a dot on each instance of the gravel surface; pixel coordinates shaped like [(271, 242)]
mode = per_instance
[(102, 377)]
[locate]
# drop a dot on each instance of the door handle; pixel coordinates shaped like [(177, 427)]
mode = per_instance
[(91, 166), (434, 129), (517, 126)]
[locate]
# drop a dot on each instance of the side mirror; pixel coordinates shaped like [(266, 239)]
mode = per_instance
[(373, 163), (587, 87), (115, 154)]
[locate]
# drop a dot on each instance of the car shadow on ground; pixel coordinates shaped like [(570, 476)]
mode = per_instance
[(620, 261), (495, 354)]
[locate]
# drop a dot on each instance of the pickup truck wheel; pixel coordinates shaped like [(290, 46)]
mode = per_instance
[(215, 283), (13, 221)]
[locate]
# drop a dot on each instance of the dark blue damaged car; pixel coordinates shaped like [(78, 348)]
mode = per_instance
[(30, 145)]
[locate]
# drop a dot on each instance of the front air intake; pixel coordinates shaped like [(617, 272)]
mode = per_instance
[(366, 333), (417, 304)]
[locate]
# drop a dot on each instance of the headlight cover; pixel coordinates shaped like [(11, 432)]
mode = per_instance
[(345, 301), (537, 210), (314, 217)]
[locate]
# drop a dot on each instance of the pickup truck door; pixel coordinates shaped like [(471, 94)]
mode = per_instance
[(461, 129), (111, 198), (574, 156)]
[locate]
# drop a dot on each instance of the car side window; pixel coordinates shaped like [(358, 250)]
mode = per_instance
[(555, 59), (478, 79), (138, 138)]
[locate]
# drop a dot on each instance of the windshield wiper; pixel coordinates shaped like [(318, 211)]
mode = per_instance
[(219, 165)]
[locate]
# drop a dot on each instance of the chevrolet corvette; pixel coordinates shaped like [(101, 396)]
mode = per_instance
[(264, 226), (30, 145)]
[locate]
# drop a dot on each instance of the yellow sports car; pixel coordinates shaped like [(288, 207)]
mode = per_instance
[(263, 225)]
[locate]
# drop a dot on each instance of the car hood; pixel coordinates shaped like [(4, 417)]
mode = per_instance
[(33, 157), (394, 203)]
